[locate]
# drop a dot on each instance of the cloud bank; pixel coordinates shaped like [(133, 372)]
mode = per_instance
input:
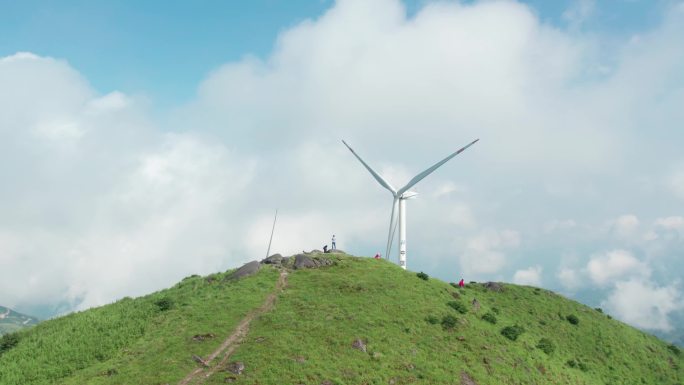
[(102, 198)]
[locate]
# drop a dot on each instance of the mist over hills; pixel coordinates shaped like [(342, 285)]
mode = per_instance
[(11, 321), (319, 318)]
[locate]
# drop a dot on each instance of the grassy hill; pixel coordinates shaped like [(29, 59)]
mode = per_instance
[(357, 321), (11, 321)]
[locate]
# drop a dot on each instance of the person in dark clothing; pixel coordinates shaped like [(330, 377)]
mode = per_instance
[(325, 248)]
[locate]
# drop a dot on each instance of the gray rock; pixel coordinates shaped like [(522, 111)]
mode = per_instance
[(359, 345), (304, 262), (494, 286), (466, 379), (236, 367), (246, 270), (275, 259), (476, 305)]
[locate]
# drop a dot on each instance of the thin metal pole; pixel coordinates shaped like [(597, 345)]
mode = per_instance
[(272, 230)]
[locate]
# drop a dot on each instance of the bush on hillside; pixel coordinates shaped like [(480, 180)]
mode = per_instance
[(449, 322), (422, 276), (458, 306), (674, 349), (432, 320), (453, 284), (512, 332), (598, 309), (164, 304), (489, 317), (572, 319), (495, 310), (8, 341), (546, 345)]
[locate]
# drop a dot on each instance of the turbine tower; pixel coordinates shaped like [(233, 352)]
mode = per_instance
[(399, 200)]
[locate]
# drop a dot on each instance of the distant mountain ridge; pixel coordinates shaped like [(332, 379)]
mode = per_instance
[(11, 320)]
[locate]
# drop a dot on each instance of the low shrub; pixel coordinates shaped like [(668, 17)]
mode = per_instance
[(598, 309), (489, 317), (572, 319), (432, 320), (512, 332), (674, 349), (453, 284), (422, 276), (449, 322), (458, 306), (8, 341), (578, 364), (164, 304), (495, 310), (546, 345)]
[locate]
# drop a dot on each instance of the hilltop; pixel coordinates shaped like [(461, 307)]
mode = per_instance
[(338, 319), (11, 321)]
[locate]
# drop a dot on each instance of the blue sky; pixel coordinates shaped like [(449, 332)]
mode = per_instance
[(141, 142), (163, 49)]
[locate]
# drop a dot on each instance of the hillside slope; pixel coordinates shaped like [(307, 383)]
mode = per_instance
[(11, 321), (359, 321)]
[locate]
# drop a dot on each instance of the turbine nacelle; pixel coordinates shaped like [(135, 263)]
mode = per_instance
[(409, 195)]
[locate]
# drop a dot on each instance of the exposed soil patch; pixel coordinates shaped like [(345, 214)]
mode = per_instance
[(199, 375)]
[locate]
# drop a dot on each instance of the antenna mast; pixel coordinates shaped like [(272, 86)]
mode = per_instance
[(272, 230)]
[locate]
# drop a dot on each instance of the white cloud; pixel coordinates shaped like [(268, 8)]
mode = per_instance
[(670, 223), (485, 253), (579, 12), (530, 276), (614, 265), (625, 225), (644, 304), (90, 179), (569, 278)]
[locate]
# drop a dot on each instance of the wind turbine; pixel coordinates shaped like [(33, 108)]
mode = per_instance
[(400, 196)]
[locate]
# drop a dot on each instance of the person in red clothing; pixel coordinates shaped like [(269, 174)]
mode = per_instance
[(460, 283), (377, 256)]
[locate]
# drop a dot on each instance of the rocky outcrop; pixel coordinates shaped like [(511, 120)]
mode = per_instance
[(494, 286), (302, 261), (275, 259), (246, 270)]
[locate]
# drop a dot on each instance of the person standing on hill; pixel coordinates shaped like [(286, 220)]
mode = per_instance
[(334, 246), (461, 283)]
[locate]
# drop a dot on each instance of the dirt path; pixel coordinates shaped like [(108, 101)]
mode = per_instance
[(199, 375)]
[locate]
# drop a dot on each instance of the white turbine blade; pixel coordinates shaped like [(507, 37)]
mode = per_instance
[(429, 171), (391, 242), (392, 226), (375, 174)]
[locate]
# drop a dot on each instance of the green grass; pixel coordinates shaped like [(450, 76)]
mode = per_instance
[(307, 337), (133, 341)]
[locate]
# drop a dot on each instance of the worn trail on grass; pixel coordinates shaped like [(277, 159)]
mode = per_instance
[(199, 375)]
